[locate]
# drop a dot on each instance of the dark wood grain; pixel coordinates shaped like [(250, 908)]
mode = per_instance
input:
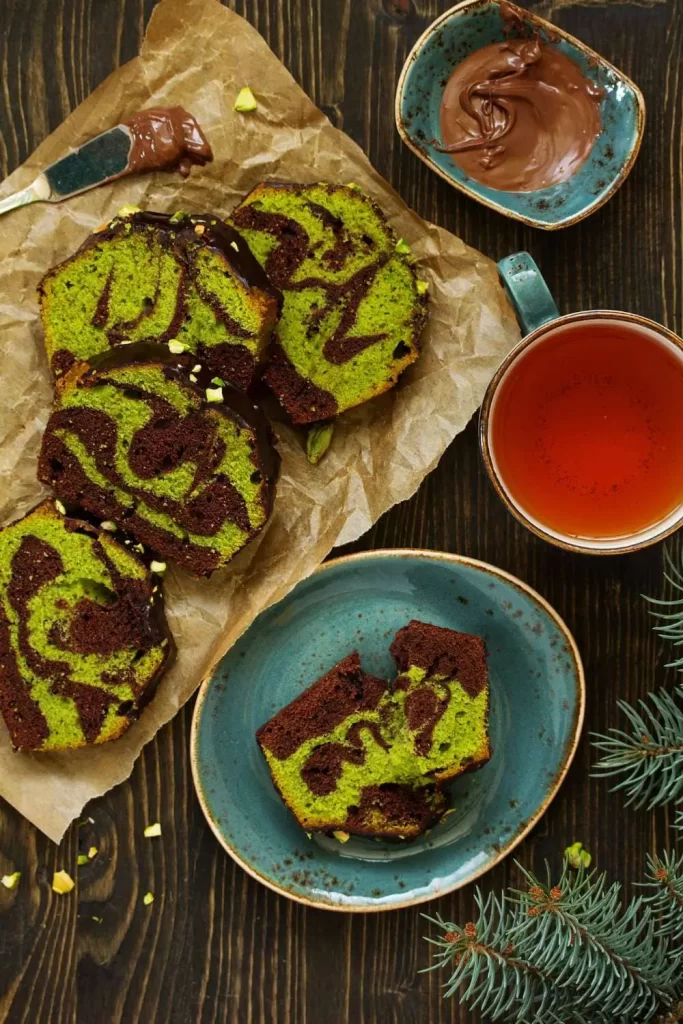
[(217, 947)]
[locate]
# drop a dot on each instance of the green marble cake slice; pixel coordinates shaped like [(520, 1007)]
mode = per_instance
[(83, 636), (331, 757), (443, 689), (352, 754), (180, 460), (353, 306), (188, 280)]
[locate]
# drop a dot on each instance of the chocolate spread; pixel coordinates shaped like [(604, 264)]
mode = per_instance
[(519, 115), (166, 139)]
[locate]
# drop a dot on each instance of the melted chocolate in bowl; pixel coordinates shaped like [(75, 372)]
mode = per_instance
[(520, 116)]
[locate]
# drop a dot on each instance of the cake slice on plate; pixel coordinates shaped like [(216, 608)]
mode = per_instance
[(351, 754), (443, 686)]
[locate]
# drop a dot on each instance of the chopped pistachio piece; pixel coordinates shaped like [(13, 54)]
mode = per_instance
[(354, 186), (92, 852), (199, 229), (177, 217), (157, 566), (59, 505), (86, 821), (214, 394), (577, 857), (148, 898), (98, 920), (196, 368), (403, 247), (235, 246), (176, 347), (11, 881), (62, 882), (318, 440), (139, 547), (108, 525), (246, 101), (82, 859), (218, 381), (342, 837), (422, 287), (153, 830), (126, 211), (194, 378)]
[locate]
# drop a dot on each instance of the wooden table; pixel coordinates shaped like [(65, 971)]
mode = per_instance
[(217, 946)]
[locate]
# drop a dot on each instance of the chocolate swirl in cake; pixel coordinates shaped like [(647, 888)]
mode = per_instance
[(83, 636), (153, 277), (353, 309), (187, 467)]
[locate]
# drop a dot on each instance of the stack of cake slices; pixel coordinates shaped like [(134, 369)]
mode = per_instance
[(158, 330)]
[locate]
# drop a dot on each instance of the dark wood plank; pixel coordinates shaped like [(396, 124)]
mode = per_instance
[(216, 946)]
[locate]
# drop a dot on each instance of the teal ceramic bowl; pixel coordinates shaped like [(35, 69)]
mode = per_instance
[(537, 708), (467, 28)]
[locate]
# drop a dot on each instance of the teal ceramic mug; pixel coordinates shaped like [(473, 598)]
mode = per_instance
[(590, 458)]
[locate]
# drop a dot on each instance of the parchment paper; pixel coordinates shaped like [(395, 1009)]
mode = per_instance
[(199, 54)]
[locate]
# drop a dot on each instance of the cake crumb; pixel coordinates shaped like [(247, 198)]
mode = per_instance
[(62, 883)]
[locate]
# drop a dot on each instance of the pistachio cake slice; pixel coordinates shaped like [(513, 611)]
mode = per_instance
[(331, 759), (443, 687), (83, 636), (352, 754), (183, 462), (353, 307), (186, 279)]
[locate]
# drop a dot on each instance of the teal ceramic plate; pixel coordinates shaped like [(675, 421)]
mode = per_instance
[(476, 23), (537, 706)]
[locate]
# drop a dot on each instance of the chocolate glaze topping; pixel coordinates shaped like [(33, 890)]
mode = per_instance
[(166, 139), (519, 115)]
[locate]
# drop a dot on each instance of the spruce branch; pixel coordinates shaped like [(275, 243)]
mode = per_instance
[(670, 622), (569, 953), (648, 759), (493, 978), (607, 955), (665, 897)]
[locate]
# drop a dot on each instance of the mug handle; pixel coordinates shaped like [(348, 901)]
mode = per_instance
[(527, 291)]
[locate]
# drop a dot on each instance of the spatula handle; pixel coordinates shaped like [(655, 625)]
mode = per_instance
[(37, 191)]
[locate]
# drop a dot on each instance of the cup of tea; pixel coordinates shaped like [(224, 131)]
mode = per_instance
[(581, 428)]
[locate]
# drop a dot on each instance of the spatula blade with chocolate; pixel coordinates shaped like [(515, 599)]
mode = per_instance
[(158, 139)]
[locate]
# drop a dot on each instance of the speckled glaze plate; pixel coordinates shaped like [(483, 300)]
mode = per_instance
[(358, 602)]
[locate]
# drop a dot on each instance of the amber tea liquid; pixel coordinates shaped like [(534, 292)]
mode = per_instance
[(586, 430)]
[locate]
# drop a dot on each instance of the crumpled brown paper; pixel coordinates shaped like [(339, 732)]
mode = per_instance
[(199, 54)]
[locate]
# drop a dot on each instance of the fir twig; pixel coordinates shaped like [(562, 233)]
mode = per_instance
[(670, 625), (569, 953), (665, 885), (648, 760), (483, 962)]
